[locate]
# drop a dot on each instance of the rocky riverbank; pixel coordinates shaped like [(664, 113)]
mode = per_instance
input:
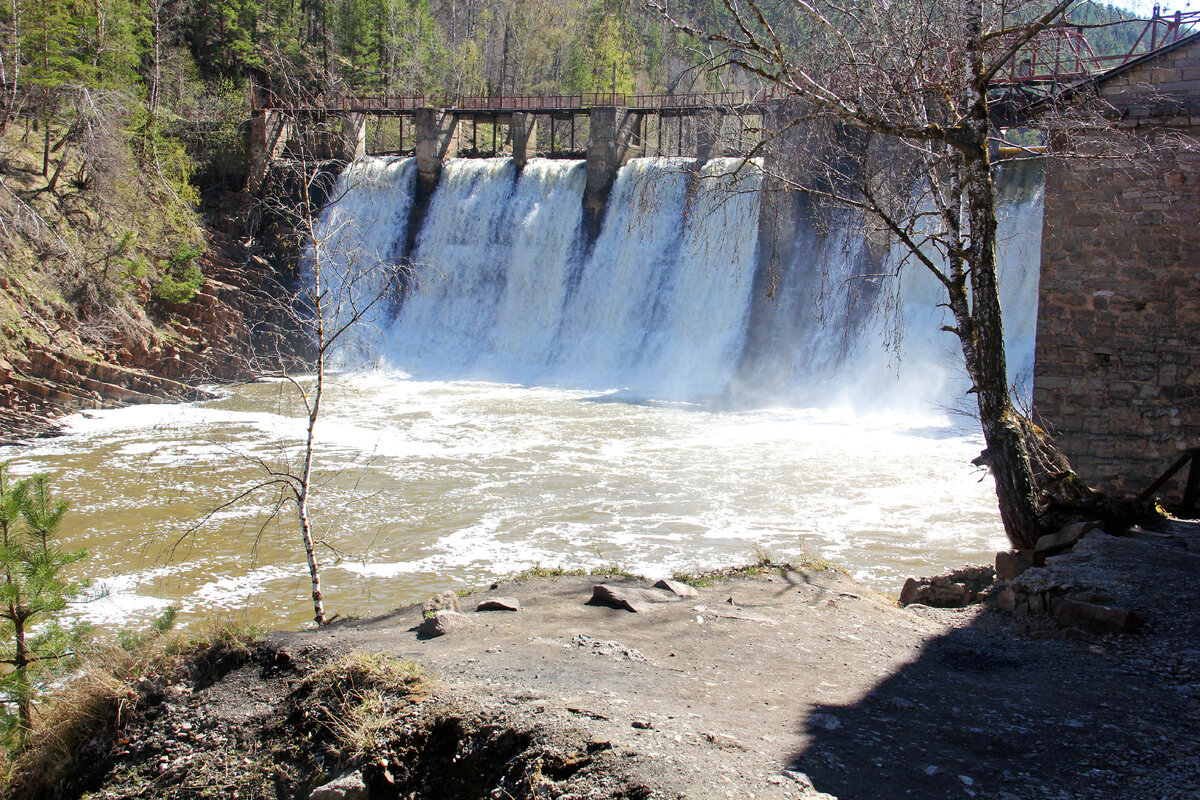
[(74, 363), (776, 682)]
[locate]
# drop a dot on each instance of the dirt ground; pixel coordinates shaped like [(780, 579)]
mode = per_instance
[(792, 684)]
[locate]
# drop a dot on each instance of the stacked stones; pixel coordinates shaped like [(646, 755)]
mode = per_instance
[(1026, 588)]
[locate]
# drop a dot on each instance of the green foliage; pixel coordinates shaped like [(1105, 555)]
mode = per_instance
[(37, 642), (181, 277), (1105, 38)]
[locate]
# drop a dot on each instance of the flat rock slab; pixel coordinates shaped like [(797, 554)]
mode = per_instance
[(630, 598), (677, 588), (499, 604)]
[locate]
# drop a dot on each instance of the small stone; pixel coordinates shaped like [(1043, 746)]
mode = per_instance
[(827, 721), (677, 588), (1009, 565), (642, 724), (967, 780), (1065, 538), (345, 787), (606, 648), (911, 592), (443, 622), (499, 604), (446, 600)]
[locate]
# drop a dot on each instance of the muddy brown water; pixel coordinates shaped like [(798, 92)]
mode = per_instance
[(426, 485)]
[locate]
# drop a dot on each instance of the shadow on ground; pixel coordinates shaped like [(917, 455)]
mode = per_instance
[(983, 713)]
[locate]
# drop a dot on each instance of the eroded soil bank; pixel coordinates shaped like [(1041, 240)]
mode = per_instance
[(788, 684)]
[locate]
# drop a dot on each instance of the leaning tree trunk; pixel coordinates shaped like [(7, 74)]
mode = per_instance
[(983, 337), (1025, 464), (1008, 453)]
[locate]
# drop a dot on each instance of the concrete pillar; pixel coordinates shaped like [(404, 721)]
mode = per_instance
[(437, 140), (523, 131), (708, 136), (615, 137), (354, 136), (269, 132)]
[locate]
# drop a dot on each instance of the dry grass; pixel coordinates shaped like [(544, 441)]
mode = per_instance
[(358, 699), (106, 691), (763, 564)]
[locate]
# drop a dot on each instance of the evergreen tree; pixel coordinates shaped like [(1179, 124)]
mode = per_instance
[(33, 595)]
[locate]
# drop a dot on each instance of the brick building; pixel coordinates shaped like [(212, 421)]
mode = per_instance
[(1117, 365)]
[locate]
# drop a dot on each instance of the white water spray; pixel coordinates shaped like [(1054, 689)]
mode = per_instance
[(663, 304)]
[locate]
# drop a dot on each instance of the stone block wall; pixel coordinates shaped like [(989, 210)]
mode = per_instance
[(1117, 374)]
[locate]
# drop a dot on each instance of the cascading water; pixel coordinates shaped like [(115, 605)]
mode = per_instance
[(674, 300), (356, 240), (493, 267)]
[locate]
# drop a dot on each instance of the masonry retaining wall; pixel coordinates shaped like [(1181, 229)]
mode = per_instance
[(1117, 373)]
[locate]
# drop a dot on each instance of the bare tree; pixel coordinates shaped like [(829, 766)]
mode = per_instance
[(328, 290), (340, 288), (895, 104)]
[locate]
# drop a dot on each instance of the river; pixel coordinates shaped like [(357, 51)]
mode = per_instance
[(640, 401)]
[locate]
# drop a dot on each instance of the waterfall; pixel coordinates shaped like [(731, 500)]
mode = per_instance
[(661, 302), (679, 297), (356, 242)]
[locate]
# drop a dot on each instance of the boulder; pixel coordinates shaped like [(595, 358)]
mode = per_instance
[(911, 592), (677, 588), (1095, 618), (1009, 565), (499, 604), (629, 598), (1064, 538), (443, 622), (444, 601), (344, 787)]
